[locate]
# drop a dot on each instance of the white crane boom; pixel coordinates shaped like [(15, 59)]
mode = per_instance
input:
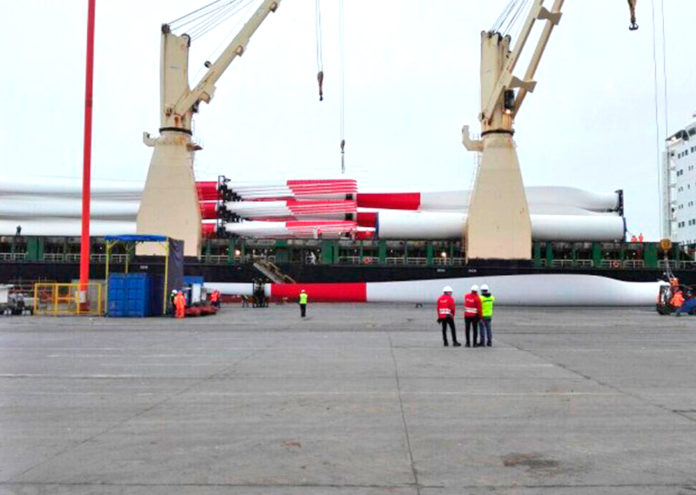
[(206, 87)]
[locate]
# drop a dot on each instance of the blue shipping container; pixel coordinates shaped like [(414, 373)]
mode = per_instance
[(130, 294)]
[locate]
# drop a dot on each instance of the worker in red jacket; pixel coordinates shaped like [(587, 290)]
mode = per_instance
[(445, 315), (472, 314)]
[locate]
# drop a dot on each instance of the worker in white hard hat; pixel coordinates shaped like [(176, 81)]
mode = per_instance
[(487, 301), (472, 315), (445, 315), (303, 302)]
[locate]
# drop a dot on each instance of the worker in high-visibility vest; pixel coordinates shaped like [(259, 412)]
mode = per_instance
[(487, 301), (180, 303), (172, 296), (303, 302)]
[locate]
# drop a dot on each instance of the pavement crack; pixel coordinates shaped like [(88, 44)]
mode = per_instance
[(403, 415), (682, 413)]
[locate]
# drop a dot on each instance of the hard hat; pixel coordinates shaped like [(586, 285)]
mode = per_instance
[(173, 291), (484, 288), (474, 288), (302, 290), (447, 289)]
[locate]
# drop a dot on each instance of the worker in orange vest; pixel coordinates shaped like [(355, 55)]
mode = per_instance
[(180, 303), (640, 237), (215, 298), (677, 301)]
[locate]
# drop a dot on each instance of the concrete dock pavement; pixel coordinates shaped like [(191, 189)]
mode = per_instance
[(353, 399)]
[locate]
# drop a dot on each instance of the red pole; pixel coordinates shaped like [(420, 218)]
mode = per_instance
[(87, 151)]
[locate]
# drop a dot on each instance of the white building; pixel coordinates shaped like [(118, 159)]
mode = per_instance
[(679, 187)]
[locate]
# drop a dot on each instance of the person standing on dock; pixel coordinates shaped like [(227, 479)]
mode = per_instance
[(180, 303), (472, 315), (303, 303), (445, 315), (487, 301)]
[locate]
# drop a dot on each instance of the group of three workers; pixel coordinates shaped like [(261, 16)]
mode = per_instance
[(478, 311)]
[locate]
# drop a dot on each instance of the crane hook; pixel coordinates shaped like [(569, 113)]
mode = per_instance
[(632, 7), (320, 80)]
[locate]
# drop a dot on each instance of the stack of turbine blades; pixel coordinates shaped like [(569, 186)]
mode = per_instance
[(295, 189), (293, 210)]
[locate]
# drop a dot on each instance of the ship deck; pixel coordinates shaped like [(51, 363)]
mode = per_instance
[(354, 399)]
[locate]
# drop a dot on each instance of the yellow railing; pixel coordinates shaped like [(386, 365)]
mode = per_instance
[(51, 299)]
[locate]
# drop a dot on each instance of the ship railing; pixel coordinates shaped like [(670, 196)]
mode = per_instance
[(664, 264), (562, 263), (13, 256), (217, 259), (416, 261), (677, 265), (566, 263), (634, 264), (54, 257), (454, 261), (349, 260), (584, 263), (394, 260)]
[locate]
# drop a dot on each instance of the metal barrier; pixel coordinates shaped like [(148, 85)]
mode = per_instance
[(216, 259), (13, 256), (51, 299), (663, 264), (54, 257)]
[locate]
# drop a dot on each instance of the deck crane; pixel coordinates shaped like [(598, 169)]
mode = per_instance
[(498, 225), (169, 205)]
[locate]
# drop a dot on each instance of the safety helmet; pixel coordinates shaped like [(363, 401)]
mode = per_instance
[(474, 288), (484, 288), (302, 290), (173, 291), (447, 288)]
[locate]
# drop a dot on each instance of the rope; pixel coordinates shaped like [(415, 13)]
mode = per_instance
[(320, 57), (177, 26), (657, 122), (503, 16), (236, 7), (193, 12), (341, 47), (201, 21), (664, 67)]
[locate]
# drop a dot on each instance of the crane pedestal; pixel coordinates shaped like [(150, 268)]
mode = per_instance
[(498, 225), (169, 204)]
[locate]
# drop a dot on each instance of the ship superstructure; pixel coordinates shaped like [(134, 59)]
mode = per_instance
[(679, 186)]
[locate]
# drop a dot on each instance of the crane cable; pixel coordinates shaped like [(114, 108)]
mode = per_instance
[(320, 61), (341, 48), (665, 118)]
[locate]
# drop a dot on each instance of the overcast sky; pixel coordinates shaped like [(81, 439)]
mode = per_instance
[(411, 82)]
